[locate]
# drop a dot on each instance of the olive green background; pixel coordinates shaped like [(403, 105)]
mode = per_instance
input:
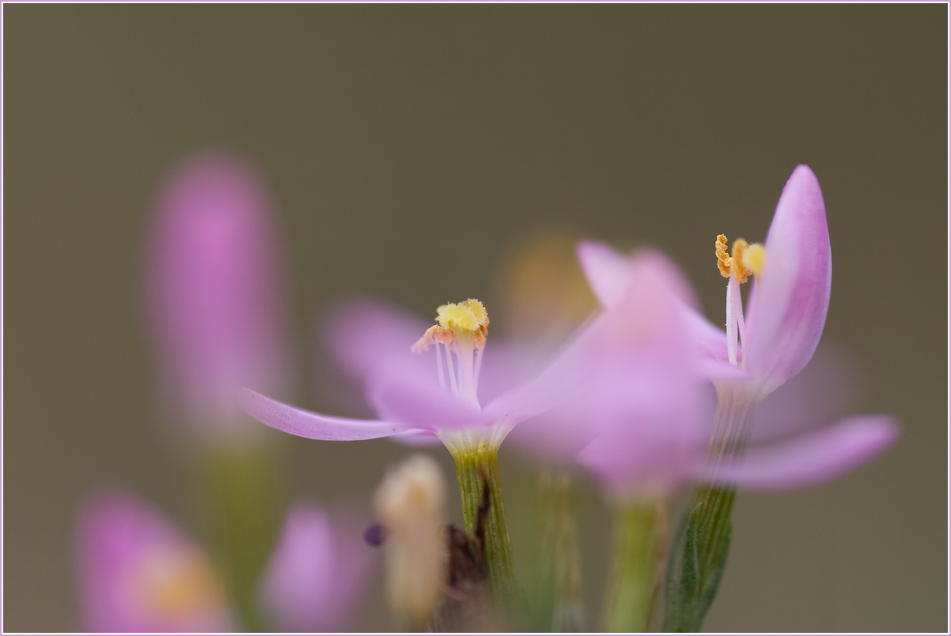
[(409, 149)]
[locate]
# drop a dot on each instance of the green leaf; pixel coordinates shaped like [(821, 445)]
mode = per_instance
[(697, 559)]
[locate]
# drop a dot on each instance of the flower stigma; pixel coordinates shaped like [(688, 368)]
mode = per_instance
[(461, 329), (744, 261)]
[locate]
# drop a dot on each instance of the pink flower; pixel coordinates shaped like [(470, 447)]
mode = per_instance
[(137, 572), (645, 403), (317, 572), (214, 290), (424, 384), (788, 306)]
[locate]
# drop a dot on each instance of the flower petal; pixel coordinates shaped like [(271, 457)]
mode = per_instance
[(824, 391), (417, 437), (420, 404), (607, 271), (312, 425), (790, 299), (315, 576), (364, 334), (556, 383), (811, 458)]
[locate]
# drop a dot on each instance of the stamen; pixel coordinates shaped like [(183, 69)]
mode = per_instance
[(461, 329), (723, 259), (452, 372), (745, 260), (732, 291), (478, 362), (439, 372)]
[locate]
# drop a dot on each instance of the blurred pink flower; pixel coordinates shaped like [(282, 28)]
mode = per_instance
[(644, 404), (137, 572), (317, 572), (788, 306), (215, 298), (418, 397)]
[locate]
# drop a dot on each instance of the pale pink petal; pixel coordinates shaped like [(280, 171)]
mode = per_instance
[(418, 403), (606, 270), (317, 573), (506, 364), (649, 423), (554, 437), (636, 394), (312, 425), (364, 334), (824, 391), (609, 273), (811, 458), (558, 382), (790, 299), (417, 437)]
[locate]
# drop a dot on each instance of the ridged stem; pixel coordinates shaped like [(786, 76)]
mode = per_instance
[(639, 529), (560, 558), (472, 465)]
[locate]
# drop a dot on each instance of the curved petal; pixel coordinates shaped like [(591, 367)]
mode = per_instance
[(824, 391), (561, 380), (316, 575), (312, 425), (364, 334), (417, 437), (606, 270), (418, 404), (812, 458), (790, 299)]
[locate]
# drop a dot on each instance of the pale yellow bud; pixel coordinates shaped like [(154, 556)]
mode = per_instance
[(410, 503)]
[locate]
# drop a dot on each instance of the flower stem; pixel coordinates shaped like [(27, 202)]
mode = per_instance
[(560, 558), (638, 547), (472, 465), (237, 494)]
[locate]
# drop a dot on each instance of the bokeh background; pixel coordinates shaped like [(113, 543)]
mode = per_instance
[(411, 150)]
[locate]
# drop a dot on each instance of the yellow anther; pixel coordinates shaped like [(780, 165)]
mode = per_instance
[(458, 318), (753, 258), (746, 259), (723, 259), (736, 261), (478, 310), (467, 319)]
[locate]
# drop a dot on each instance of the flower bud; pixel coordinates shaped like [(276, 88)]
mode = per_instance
[(214, 292), (410, 503)]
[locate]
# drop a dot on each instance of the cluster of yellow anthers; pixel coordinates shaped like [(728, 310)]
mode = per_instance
[(745, 260), (467, 321)]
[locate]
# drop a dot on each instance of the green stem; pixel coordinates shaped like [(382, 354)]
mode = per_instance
[(561, 561), (703, 542), (237, 496), (471, 465), (638, 547)]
